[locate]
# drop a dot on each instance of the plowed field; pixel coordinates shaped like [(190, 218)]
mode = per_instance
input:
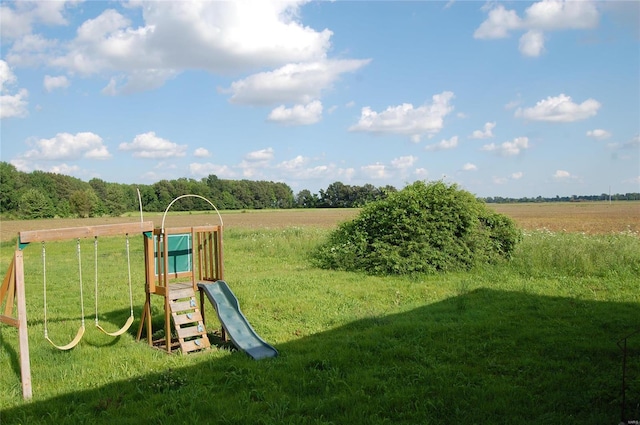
[(587, 217)]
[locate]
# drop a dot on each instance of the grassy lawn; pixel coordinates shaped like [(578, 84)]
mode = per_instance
[(532, 341)]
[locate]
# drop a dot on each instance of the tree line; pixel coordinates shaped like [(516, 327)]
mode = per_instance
[(633, 196), (41, 194)]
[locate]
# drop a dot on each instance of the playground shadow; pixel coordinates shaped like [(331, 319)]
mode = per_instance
[(474, 358)]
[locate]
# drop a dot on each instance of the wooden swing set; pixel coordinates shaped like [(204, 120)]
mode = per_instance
[(176, 259), (12, 291)]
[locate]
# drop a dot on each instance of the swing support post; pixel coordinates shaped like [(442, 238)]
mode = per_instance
[(12, 290)]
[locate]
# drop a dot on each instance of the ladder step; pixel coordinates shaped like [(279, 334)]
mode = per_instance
[(177, 306), (190, 332), (195, 344), (175, 294), (181, 319)]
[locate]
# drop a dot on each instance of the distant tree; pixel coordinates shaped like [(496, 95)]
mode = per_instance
[(115, 200), (35, 204), (337, 195), (83, 203), (9, 183), (99, 186), (305, 199), (283, 196), (165, 193)]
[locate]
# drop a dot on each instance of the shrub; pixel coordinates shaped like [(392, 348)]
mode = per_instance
[(424, 228)]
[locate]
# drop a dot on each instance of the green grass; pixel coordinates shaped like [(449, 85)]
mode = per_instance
[(530, 341)]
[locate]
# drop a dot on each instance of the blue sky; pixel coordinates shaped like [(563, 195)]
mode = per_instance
[(504, 98)]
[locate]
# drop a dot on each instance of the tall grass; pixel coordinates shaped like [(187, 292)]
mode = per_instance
[(528, 341), (548, 254)]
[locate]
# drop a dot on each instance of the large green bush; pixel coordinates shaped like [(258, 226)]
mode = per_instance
[(424, 228)]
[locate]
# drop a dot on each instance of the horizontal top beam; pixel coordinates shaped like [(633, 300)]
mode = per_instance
[(185, 229), (84, 232)]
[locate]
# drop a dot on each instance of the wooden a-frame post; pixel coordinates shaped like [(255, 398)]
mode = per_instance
[(12, 291)]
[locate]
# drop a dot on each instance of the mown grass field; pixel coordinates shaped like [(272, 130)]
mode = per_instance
[(531, 341)]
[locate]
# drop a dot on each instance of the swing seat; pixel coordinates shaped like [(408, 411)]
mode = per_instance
[(119, 332), (70, 345)]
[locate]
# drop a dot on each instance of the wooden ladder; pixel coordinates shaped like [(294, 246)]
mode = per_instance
[(187, 318)]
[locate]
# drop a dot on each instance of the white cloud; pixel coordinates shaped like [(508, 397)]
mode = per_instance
[(31, 50), (512, 148), (469, 167), (51, 83), (298, 114), (560, 109), (66, 146), (599, 134), (254, 163), (223, 37), (64, 169), (298, 169), (207, 168), (260, 155), (517, 175), (632, 144), (18, 20), (421, 173), (532, 43), (407, 120), (404, 162), (375, 171), (512, 104), (561, 174), (498, 24), (150, 146), (11, 105), (7, 76), (562, 14), (201, 153), (443, 144), (485, 133), (545, 15), (14, 105), (293, 164), (296, 82), (28, 166)]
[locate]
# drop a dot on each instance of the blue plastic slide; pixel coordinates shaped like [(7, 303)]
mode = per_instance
[(233, 321)]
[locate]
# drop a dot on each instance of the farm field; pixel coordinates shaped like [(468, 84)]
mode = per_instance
[(587, 217), (533, 340)]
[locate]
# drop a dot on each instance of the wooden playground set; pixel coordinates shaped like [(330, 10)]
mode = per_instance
[(179, 262)]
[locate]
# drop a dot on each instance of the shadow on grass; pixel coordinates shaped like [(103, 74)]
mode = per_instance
[(485, 356)]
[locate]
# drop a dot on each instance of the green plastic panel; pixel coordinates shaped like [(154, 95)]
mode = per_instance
[(180, 252)]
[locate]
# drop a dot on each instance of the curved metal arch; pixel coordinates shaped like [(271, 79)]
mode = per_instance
[(187, 196)]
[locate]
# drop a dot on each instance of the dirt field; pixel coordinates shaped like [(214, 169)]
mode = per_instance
[(588, 217)]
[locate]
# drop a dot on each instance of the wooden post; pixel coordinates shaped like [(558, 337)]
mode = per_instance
[(13, 290), (219, 261), (25, 365)]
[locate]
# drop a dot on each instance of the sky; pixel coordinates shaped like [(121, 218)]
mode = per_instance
[(511, 99)]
